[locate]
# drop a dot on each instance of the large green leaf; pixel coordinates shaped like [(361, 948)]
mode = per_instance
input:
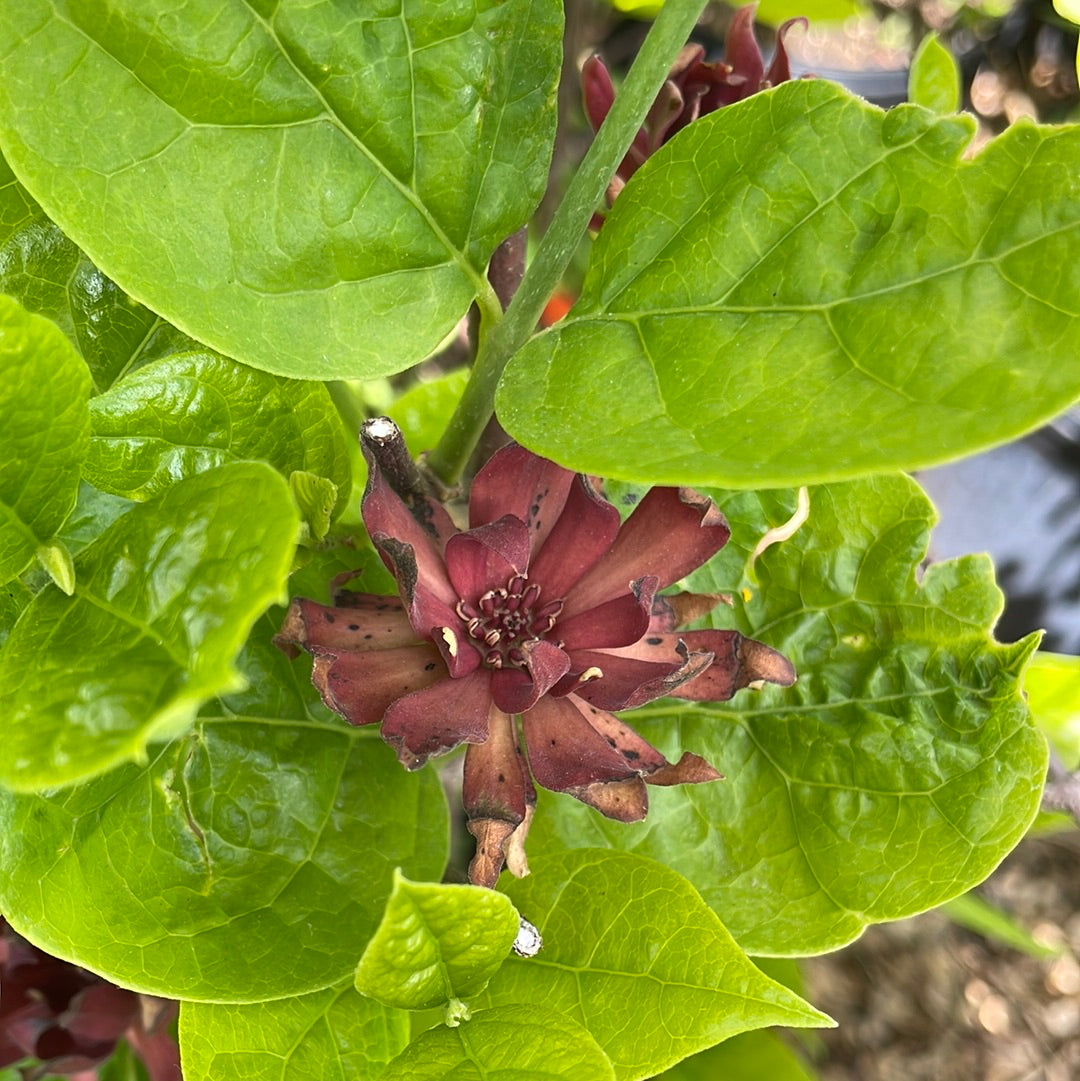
[(44, 389), (331, 1035), (311, 187), (650, 972), (179, 416), (896, 773), (48, 274), (435, 944), (164, 601), (509, 1043), (802, 288), (249, 860)]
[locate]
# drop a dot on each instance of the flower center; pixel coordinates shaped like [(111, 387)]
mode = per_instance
[(503, 620)]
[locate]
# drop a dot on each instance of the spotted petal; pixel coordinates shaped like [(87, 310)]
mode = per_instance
[(487, 557), (738, 662)]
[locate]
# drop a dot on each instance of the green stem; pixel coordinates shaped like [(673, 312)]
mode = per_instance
[(659, 50)]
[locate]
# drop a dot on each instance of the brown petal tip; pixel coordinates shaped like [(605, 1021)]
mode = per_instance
[(690, 769), (624, 801), (761, 664), (293, 631), (492, 836), (516, 863)]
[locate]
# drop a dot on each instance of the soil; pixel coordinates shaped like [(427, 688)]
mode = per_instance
[(926, 999)]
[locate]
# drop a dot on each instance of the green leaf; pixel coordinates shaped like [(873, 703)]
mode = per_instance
[(509, 1043), (1052, 684), (753, 1056), (312, 188), (185, 414), (333, 1034), (43, 415), (14, 597), (895, 774), (249, 860), (436, 943), (934, 79), (651, 973), (56, 560), (801, 288), (49, 276), (423, 410), (315, 496), (979, 915), (164, 600)]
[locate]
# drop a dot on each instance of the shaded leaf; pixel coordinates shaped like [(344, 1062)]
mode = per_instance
[(44, 391), (249, 860), (753, 1056), (185, 414), (652, 973), (436, 943), (895, 774), (49, 276), (1052, 685), (334, 1033), (164, 601), (801, 288), (316, 189), (508, 1043)]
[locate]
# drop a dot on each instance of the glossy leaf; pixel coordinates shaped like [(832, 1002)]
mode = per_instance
[(312, 188), (165, 598), (801, 288), (508, 1043), (249, 860), (934, 80), (331, 1035), (651, 973), (753, 1056), (49, 276), (14, 597), (185, 414), (436, 943), (896, 773), (45, 423)]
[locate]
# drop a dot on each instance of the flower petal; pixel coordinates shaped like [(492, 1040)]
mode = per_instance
[(362, 686), (625, 680), (487, 557), (738, 662), (438, 718), (584, 531), (780, 68), (690, 769), (367, 622), (672, 531), (614, 623), (741, 49), (673, 610), (625, 801), (565, 750), (498, 797), (515, 690), (412, 551), (516, 481)]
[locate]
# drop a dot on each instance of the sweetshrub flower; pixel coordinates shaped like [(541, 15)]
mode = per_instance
[(546, 609), (694, 87), (70, 1020)]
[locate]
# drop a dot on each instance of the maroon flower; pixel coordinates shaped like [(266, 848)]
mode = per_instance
[(69, 1020), (693, 88), (544, 608)]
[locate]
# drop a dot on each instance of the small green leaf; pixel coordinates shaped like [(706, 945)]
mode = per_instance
[(1052, 684), (185, 414), (45, 422), (49, 276), (327, 1034), (163, 603), (897, 772), (436, 943), (249, 860), (934, 80), (801, 288), (56, 560), (979, 915), (652, 973), (422, 411), (753, 1056), (315, 496), (508, 1043), (312, 188)]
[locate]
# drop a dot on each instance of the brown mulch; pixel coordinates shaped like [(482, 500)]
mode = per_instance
[(927, 1000)]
